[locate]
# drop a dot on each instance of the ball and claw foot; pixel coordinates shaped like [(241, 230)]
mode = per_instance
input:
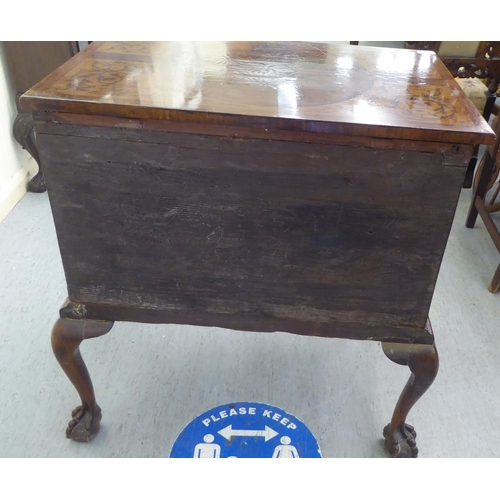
[(401, 442), (85, 425), (37, 183)]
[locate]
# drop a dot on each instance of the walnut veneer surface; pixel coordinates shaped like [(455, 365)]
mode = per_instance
[(307, 87)]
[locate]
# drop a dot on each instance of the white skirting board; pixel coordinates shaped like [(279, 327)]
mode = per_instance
[(16, 188)]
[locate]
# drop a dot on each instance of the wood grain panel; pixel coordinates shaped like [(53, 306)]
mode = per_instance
[(247, 227), (30, 62)]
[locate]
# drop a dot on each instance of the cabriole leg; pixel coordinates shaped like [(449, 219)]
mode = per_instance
[(423, 362), (24, 133), (67, 336)]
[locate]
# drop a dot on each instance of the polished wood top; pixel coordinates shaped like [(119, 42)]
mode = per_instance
[(295, 86)]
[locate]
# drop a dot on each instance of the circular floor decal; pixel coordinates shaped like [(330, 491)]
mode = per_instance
[(246, 430)]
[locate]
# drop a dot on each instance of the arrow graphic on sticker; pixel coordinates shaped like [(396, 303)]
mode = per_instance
[(267, 433)]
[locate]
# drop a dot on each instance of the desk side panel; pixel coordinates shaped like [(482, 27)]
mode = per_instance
[(248, 228)]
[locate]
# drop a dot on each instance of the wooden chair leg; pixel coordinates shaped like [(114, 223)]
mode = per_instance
[(469, 174), (67, 336), (423, 362), (494, 286), (487, 165)]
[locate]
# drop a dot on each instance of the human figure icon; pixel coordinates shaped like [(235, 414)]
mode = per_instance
[(285, 449), (208, 449)]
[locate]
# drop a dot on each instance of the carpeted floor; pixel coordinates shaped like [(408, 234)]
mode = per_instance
[(152, 380)]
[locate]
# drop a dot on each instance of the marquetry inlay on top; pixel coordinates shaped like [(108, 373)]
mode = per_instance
[(302, 86)]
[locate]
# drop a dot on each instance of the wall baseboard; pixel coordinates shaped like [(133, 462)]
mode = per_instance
[(16, 188)]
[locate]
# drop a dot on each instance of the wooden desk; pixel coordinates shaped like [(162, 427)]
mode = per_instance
[(298, 187)]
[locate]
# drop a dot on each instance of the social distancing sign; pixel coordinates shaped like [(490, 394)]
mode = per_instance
[(246, 430)]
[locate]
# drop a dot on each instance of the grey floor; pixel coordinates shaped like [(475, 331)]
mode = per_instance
[(152, 380)]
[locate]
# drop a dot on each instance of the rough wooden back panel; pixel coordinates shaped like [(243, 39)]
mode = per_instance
[(249, 227)]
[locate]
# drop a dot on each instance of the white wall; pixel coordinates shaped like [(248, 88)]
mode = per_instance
[(16, 165)]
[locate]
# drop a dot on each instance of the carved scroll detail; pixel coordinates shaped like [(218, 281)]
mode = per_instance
[(24, 133)]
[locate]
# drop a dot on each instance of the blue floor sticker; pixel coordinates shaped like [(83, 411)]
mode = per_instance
[(246, 430)]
